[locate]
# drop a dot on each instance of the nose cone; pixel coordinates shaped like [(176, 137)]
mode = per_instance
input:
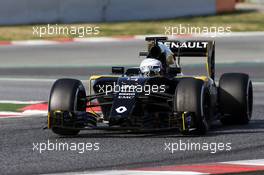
[(125, 99)]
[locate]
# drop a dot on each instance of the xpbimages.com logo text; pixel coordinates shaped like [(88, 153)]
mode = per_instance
[(187, 29), (65, 30), (50, 146), (124, 88), (212, 147)]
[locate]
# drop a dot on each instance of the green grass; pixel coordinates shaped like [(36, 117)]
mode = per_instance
[(238, 21), (11, 107)]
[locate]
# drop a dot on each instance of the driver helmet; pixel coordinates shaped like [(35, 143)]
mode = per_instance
[(150, 67)]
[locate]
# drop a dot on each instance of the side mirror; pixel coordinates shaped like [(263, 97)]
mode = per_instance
[(118, 70), (174, 70)]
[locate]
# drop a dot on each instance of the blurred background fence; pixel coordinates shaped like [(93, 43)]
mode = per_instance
[(73, 11)]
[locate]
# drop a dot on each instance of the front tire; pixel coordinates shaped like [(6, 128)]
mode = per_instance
[(66, 95), (192, 97)]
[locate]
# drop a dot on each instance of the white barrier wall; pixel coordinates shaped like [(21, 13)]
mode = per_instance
[(69, 11), (158, 9)]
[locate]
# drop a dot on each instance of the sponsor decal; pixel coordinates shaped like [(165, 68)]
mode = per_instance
[(187, 45), (121, 109)]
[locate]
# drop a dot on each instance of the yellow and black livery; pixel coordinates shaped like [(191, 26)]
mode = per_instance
[(187, 103)]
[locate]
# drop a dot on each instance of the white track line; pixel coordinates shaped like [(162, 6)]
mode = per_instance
[(33, 80), (9, 113), (28, 79), (257, 162), (20, 102), (34, 42), (132, 172), (258, 83), (97, 39), (35, 112), (20, 115)]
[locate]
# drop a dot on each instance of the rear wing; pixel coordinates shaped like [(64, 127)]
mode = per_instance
[(189, 48)]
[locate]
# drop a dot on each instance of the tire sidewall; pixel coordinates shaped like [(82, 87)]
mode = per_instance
[(190, 96), (65, 96)]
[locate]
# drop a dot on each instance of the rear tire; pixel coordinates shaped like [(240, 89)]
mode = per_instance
[(235, 98), (67, 95), (191, 96)]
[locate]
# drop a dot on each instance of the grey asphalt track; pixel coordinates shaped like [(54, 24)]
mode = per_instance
[(26, 87), (120, 150), (22, 81), (229, 49)]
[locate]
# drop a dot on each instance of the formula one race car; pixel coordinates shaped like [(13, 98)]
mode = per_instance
[(153, 97)]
